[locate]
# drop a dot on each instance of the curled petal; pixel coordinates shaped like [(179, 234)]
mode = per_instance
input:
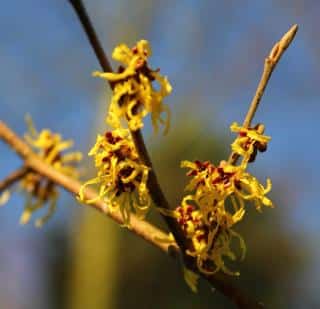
[(122, 53)]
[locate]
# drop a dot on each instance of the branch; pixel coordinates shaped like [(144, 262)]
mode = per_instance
[(156, 192), (13, 177), (269, 65), (91, 34), (219, 281), (34, 163), (141, 228), (153, 185)]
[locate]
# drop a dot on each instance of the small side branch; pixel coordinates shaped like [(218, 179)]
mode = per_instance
[(269, 65), (13, 178)]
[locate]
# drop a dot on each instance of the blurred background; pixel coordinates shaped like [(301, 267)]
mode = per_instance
[(213, 53)]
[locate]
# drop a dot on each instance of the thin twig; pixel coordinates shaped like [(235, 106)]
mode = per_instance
[(13, 178), (153, 185), (141, 228), (269, 65)]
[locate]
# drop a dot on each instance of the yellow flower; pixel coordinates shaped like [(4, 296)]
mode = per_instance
[(249, 141), (222, 248), (134, 95), (211, 241), (122, 178), (214, 185), (215, 203), (40, 190)]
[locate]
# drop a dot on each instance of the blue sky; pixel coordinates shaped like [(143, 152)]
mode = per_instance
[(212, 53)]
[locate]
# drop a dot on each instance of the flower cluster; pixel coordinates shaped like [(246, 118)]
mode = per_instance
[(217, 202), (122, 179), (49, 146), (211, 242), (249, 141), (134, 95)]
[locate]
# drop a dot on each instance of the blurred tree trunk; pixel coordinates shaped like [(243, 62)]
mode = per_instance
[(94, 246), (93, 276)]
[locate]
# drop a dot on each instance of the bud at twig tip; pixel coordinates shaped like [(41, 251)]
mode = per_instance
[(279, 48), (289, 36)]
